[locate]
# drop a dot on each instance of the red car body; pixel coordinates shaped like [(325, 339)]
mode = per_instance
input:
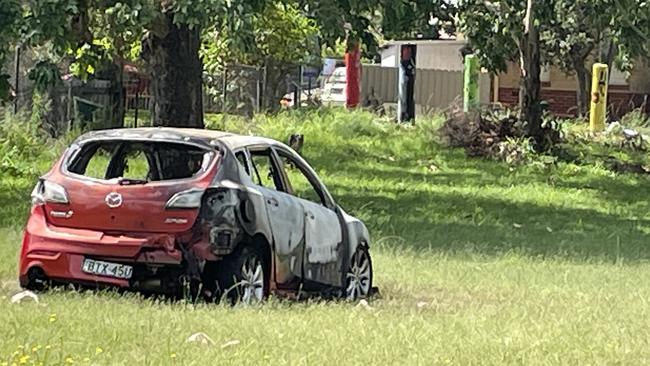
[(167, 229)]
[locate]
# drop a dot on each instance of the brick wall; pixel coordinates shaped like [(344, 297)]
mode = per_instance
[(563, 102)]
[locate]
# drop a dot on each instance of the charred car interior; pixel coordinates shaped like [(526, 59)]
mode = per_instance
[(181, 211)]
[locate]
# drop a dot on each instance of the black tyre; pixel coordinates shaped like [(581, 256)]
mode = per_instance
[(358, 280), (243, 276)]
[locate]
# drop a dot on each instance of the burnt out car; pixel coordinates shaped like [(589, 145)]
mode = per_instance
[(166, 210)]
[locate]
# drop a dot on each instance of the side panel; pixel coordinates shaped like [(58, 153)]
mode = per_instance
[(324, 243), (287, 220), (233, 207), (357, 233)]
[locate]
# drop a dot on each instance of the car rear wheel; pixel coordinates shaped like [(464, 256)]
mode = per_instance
[(243, 277), (359, 277)]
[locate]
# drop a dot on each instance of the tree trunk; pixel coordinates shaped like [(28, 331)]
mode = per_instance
[(530, 85), (176, 75), (274, 88), (583, 77), (607, 55)]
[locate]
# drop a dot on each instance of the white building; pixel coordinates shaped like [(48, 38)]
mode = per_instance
[(431, 54)]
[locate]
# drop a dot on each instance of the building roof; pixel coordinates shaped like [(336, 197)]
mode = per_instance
[(424, 42)]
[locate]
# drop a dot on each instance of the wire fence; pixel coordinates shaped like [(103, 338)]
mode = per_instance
[(245, 90), (235, 89)]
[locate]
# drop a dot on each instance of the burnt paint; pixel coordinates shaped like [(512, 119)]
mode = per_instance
[(232, 203)]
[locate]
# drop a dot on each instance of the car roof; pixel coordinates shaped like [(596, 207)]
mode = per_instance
[(173, 134)]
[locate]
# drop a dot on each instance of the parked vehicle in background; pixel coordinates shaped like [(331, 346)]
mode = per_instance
[(166, 210), (334, 88)]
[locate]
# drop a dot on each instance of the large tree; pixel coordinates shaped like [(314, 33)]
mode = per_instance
[(90, 31), (583, 31), (507, 30), (171, 50), (571, 38)]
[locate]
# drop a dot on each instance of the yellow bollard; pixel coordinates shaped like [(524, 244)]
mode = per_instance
[(598, 110)]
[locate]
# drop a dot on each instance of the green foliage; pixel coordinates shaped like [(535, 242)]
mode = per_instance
[(336, 50), (341, 20), (630, 30), (118, 27), (577, 28), (366, 21), (635, 118), (234, 14), (285, 34), (58, 25), (516, 151), (493, 30), (21, 143), (44, 74), (280, 33), (571, 31), (611, 150), (408, 19)]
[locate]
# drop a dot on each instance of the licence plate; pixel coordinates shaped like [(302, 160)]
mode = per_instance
[(107, 269)]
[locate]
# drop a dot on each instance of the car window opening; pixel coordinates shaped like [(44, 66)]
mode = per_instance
[(139, 162), (299, 181), (243, 162), (265, 171)]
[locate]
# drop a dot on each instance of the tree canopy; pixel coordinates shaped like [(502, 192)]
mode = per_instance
[(166, 35), (572, 34)]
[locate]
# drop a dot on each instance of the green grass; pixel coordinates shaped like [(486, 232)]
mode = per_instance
[(144, 118), (477, 263)]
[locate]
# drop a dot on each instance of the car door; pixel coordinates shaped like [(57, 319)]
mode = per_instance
[(323, 233), (286, 216)]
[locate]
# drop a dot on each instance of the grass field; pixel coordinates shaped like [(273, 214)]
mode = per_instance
[(478, 263)]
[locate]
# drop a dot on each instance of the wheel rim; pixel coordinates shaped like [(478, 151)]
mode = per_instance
[(359, 276), (252, 282)]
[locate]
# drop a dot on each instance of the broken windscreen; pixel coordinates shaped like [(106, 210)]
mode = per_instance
[(139, 161)]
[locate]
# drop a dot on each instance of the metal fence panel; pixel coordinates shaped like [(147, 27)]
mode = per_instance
[(434, 89), (379, 82)]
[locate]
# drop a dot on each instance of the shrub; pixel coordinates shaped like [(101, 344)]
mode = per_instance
[(515, 150), (635, 118), (21, 142), (25, 146), (480, 133), (499, 134)]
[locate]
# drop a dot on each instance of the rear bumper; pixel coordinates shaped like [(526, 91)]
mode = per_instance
[(59, 252)]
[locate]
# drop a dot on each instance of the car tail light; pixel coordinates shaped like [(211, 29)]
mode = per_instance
[(186, 199), (46, 191)]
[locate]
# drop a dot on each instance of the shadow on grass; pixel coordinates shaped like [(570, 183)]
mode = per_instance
[(493, 227), (469, 223), (463, 223)]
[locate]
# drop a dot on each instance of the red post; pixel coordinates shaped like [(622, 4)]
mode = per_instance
[(353, 75)]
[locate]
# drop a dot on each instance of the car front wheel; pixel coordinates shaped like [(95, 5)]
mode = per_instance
[(359, 276)]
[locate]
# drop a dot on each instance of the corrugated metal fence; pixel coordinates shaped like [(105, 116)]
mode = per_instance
[(434, 89)]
